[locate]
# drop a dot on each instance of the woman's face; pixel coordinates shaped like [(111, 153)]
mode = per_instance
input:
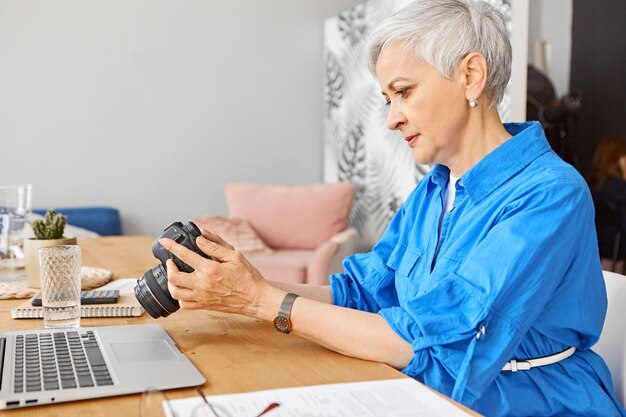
[(429, 110)]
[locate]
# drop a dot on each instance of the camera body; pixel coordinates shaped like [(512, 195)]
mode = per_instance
[(183, 234), (151, 289)]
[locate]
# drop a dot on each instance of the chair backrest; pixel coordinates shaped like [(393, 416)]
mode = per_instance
[(612, 343), (292, 216)]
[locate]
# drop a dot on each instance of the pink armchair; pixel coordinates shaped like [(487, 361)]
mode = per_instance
[(289, 233)]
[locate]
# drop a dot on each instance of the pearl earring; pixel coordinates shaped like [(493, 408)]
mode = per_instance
[(472, 102)]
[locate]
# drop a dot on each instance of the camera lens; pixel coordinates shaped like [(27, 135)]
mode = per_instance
[(152, 293)]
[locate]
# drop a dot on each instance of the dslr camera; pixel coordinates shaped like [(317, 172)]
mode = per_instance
[(151, 289)]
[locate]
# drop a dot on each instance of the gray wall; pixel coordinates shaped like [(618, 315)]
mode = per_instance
[(551, 21), (152, 106)]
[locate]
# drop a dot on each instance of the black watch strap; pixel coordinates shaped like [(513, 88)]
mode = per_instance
[(282, 323)]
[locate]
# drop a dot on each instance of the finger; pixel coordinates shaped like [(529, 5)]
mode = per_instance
[(189, 305), (177, 278), (180, 293), (216, 238), (171, 267), (213, 249), (187, 256)]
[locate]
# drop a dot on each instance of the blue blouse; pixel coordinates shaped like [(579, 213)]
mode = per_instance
[(515, 274)]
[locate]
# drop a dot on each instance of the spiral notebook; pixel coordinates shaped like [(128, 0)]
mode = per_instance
[(126, 306)]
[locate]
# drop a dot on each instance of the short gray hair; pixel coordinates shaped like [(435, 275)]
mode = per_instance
[(443, 32)]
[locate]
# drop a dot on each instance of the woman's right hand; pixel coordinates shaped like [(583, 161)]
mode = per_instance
[(227, 282)]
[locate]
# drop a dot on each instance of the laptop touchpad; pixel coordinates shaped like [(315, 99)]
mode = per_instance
[(154, 350)]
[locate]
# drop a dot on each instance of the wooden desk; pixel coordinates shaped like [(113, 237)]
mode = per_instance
[(234, 353)]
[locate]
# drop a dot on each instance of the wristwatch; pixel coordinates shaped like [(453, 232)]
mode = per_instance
[(281, 321)]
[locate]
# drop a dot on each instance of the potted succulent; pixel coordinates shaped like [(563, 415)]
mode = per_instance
[(48, 232)]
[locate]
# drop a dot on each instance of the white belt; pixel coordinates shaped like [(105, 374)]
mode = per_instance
[(524, 365)]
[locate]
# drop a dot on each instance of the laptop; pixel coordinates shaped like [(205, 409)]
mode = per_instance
[(52, 366)]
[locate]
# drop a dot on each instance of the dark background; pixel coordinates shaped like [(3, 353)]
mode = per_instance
[(598, 70)]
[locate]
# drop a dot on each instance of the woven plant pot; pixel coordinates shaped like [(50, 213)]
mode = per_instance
[(31, 256)]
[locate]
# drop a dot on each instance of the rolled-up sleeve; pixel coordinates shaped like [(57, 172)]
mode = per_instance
[(367, 283), (401, 322)]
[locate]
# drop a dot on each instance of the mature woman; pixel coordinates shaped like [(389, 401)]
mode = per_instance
[(607, 180), (487, 284)]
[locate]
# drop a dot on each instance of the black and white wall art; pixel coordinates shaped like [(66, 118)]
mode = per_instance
[(358, 147)]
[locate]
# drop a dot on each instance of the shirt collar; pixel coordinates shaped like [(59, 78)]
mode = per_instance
[(528, 143), (440, 175)]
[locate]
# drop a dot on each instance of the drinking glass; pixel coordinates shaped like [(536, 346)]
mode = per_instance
[(59, 268), (15, 210)]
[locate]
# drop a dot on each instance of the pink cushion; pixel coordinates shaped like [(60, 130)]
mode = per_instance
[(237, 232), (297, 217)]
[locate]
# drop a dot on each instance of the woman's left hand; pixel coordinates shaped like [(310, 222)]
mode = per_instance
[(227, 283)]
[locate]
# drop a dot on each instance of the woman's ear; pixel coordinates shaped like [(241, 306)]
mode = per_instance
[(473, 73)]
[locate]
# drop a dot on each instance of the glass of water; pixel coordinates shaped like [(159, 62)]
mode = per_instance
[(59, 268), (15, 211)]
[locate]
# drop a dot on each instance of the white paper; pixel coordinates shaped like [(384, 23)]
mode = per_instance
[(125, 285), (390, 398)]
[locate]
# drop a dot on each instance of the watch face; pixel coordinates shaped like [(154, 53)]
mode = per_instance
[(281, 324)]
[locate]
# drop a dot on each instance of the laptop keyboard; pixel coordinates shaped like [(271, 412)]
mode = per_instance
[(59, 360)]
